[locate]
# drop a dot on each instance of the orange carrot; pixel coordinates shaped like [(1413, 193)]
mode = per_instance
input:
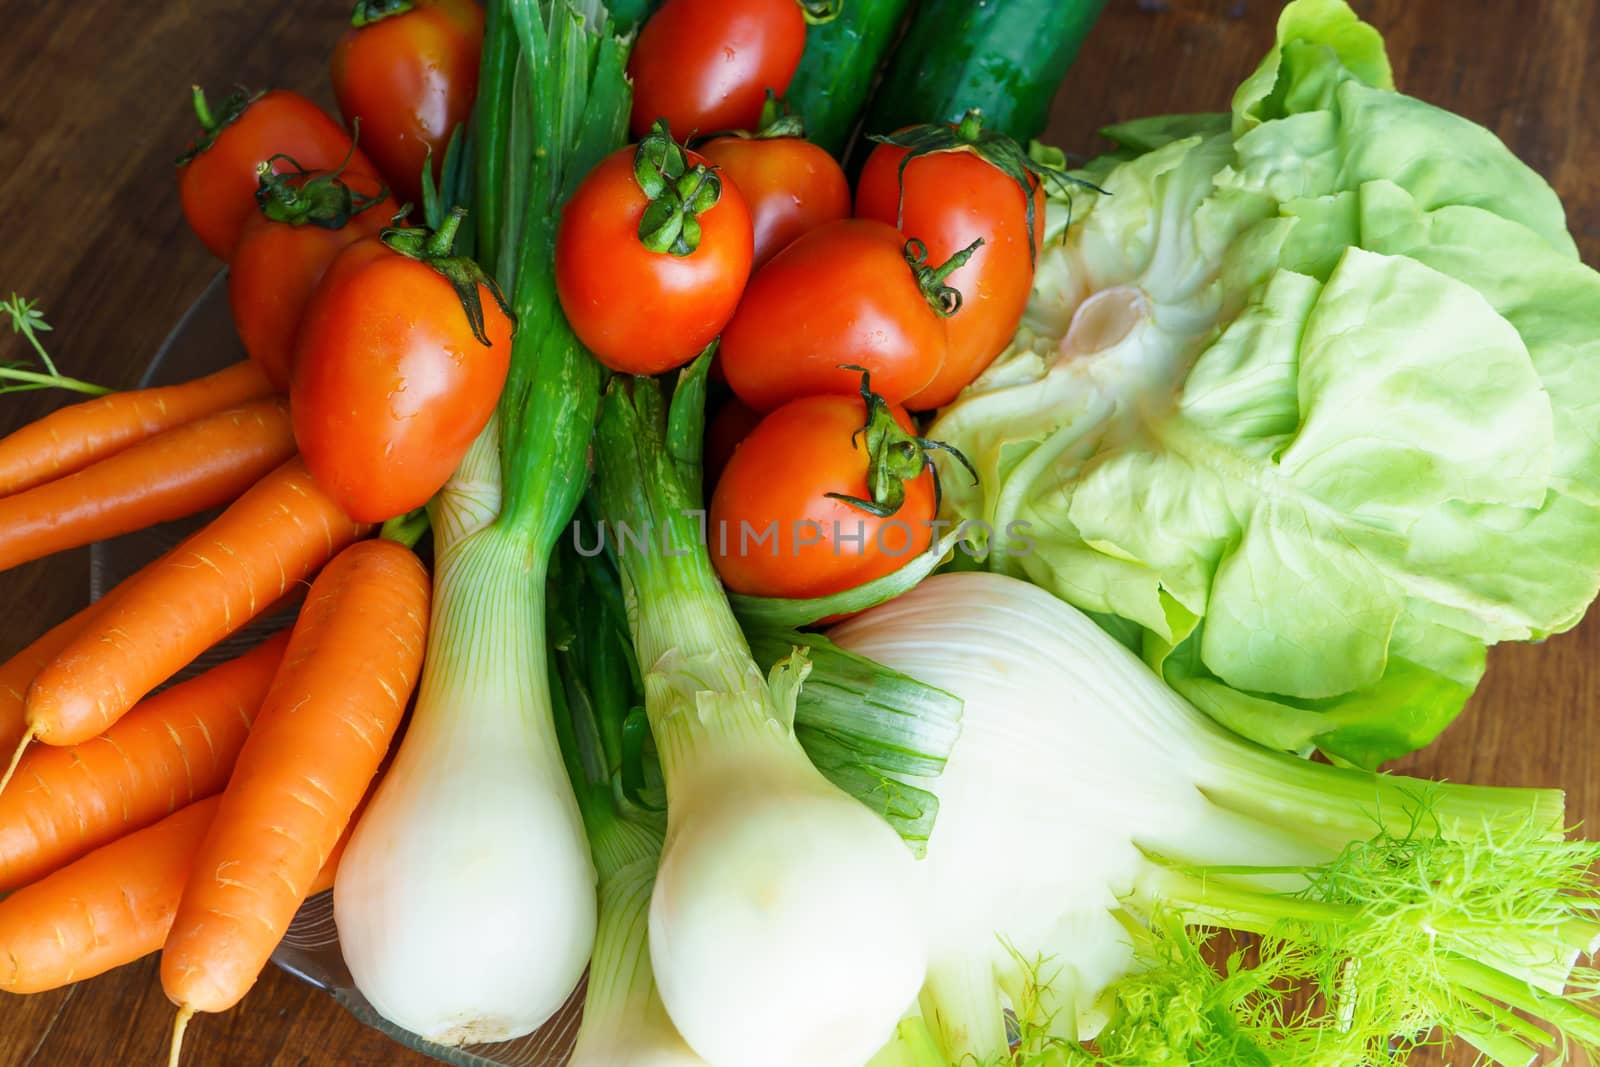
[(176, 747), (199, 465), (71, 438), (212, 584), (109, 908), (330, 869), (334, 706), (18, 672)]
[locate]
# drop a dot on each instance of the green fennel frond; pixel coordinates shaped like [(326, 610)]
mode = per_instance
[(1037, 1042), (15, 377), (1402, 941)]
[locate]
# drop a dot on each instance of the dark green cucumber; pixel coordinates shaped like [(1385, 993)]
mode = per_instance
[(1004, 57), (836, 70)]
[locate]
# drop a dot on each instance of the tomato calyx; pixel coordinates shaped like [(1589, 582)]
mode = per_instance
[(894, 456), (944, 299), (678, 193), (436, 250), (818, 12), (369, 11), (991, 146), (300, 197), (214, 121), (777, 120), (776, 123)]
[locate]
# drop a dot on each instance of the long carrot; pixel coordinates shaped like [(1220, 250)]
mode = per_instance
[(71, 438), (330, 866), (353, 659), (176, 747), (17, 673), (212, 584), (199, 465), (109, 908)]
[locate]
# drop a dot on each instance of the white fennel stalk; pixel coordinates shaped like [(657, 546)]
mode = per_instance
[(1090, 819)]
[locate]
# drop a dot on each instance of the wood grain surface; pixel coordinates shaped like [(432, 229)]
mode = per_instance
[(93, 108)]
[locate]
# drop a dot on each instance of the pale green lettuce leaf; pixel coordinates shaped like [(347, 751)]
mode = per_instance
[(1402, 712), (1368, 134), (1305, 409), (1388, 423), (1146, 135), (1552, 301), (1299, 608), (1542, 585), (1287, 527), (1165, 261), (1320, 43)]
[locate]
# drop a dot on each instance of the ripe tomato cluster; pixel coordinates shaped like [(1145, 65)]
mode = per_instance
[(392, 349), (834, 319), (836, 312)]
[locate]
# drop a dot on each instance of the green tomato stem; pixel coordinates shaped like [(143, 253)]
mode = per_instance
[(895, 456), (944, 299), (406, 529), (202, 110), (443, 241), (369, 11), (820, 12)]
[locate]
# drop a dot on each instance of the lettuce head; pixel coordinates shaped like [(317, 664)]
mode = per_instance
[(1306, 404)]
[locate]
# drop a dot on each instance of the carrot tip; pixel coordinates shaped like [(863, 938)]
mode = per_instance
[(185, 1013), (16, 757)]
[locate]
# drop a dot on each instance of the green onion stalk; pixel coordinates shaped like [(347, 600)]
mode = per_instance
[(785, 923), (597, 700), (874, 733), (466, 904)]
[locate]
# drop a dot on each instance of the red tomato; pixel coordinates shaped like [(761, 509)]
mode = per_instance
[(279, 260), (217, 176), (409, 70), (728, 427), (705, 65), (952, 198), (639, 311), (775, 530), (390, 385), (790, 185), (842, 294)]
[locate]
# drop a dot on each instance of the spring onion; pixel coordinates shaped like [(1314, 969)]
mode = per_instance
[(466, 901), (624, 1023), (786, 923)]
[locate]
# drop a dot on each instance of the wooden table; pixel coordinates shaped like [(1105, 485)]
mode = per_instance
[(93, 109)]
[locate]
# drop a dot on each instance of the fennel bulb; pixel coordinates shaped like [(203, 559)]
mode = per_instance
[(1302, 410), (1086, 805), (786, 923)]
